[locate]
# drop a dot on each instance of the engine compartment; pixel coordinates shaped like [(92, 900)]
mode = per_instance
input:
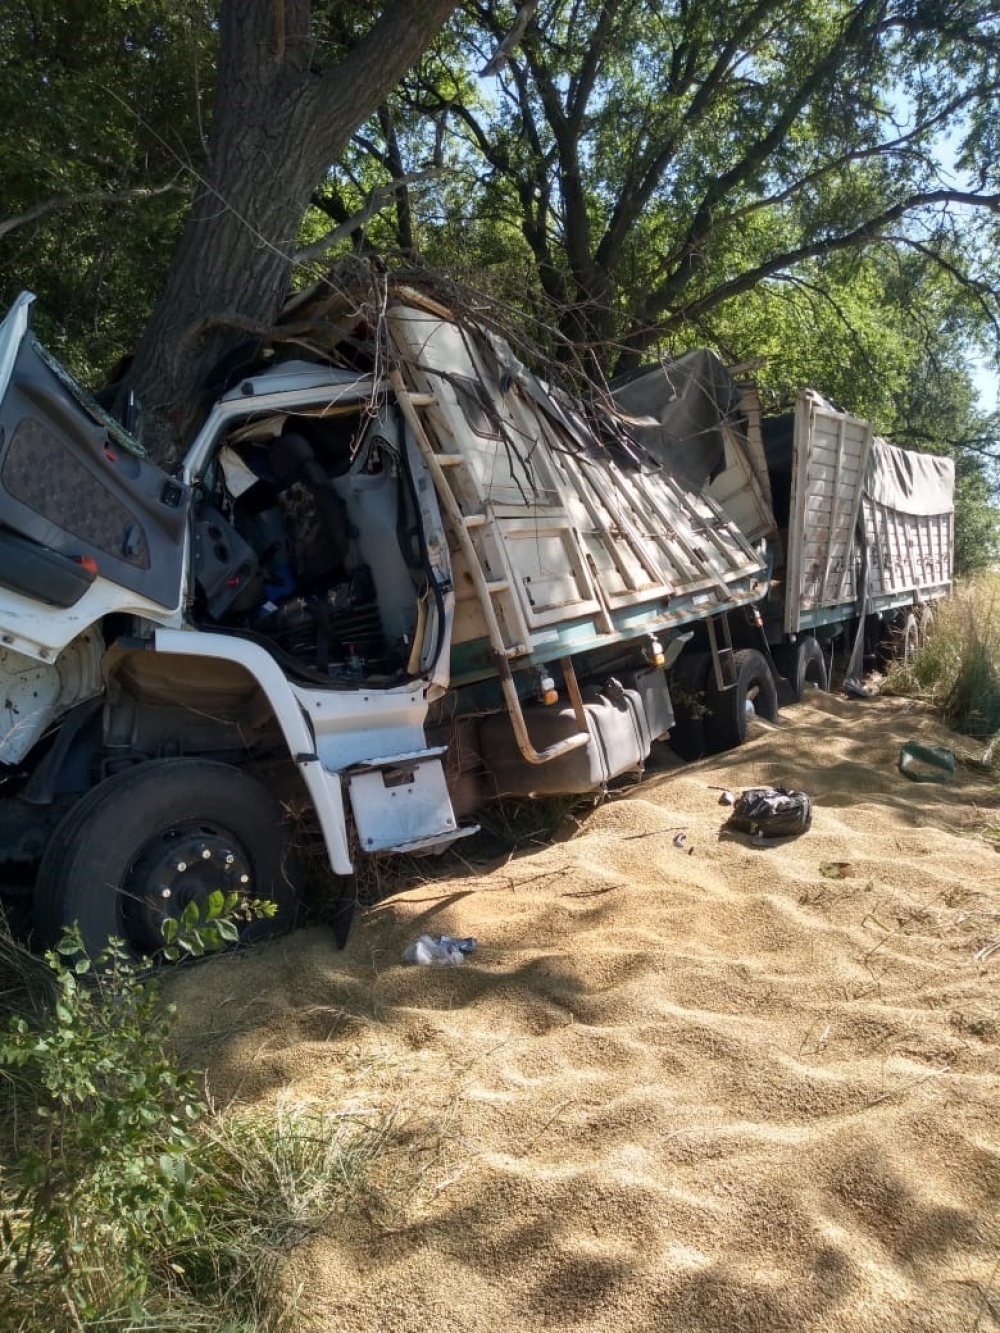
[(306, 536)]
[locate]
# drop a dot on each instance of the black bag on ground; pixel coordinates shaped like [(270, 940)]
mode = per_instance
[(771, 812)]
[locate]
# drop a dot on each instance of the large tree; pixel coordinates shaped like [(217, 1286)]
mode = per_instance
[(641, 177), (112, 105), (662, 161), (283, 112)]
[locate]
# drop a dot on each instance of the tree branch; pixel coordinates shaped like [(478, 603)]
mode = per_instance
[(871, 230), (56, 201), (503, 52), (375, 201), (351, 90), (761, 149), (636, 194)]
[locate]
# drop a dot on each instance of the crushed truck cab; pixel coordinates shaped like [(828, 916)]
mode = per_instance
[(369, 601)]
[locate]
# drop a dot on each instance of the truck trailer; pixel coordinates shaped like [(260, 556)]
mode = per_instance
[(859, 535)]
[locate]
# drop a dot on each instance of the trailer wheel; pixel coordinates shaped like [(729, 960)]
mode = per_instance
[(909, 640), (730, 710), (148, 841), (803, 665)]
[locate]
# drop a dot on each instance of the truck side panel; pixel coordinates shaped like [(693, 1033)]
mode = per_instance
[(567, 535), (908, 514), (830, 454)]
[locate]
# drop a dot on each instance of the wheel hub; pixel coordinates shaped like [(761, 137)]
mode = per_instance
[(177, 867)]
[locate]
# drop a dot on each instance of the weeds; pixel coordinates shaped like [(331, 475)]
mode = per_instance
[(126, 1201), (958, 667), (103, 1161)]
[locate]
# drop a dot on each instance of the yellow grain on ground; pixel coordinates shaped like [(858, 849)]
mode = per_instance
[(694, 1089)]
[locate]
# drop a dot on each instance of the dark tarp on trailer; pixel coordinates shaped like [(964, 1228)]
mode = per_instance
[(910, 483)]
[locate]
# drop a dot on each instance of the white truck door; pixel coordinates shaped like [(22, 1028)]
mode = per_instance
[(88, 524)]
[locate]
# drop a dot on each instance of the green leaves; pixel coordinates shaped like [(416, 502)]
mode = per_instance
[(101, 1100), (206, 927), (105, 1166), (102, 105)]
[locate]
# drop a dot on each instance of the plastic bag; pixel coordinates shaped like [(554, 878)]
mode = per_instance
[(771, 812), (439, 951), (926, 763)]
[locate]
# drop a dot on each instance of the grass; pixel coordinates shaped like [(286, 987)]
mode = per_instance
[(275, 1176), (26, 984), (957, 669), (265, 1182), (127, 1201)]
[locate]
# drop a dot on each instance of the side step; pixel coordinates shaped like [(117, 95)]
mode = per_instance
[(434, 842), (401, 803), (386, 761)]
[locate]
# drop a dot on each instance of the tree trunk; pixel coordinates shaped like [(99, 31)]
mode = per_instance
[(278, 125)]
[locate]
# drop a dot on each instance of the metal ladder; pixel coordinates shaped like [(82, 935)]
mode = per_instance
[(508, 632)]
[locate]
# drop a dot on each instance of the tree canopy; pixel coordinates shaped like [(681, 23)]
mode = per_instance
[(813, 184)]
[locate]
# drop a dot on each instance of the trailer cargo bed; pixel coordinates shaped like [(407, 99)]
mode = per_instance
[(578, 543)]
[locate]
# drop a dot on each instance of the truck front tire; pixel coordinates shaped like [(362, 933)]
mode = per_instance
[(155, 837)]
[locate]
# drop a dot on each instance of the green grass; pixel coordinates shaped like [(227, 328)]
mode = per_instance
[(958, 667), (126, 1201)]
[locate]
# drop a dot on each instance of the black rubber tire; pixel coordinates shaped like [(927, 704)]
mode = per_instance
[(727, 721), (687, 681), (803, 665), (87, 865)]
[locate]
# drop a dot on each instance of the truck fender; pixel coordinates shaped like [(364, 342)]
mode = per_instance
[(324, 789)]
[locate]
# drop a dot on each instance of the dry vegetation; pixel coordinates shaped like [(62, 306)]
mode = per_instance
[(958, 668)]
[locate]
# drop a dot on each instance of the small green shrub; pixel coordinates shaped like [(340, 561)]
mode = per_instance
[(209, 926), (102, 1157)]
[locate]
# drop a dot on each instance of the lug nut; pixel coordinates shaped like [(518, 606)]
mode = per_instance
[(244, 879), (181, 867), (206, 855)]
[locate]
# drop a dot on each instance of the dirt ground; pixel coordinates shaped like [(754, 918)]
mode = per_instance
[(710, 1087)]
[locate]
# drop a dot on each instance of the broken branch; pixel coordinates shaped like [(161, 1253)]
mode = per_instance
[(376, 200), (55, 201)]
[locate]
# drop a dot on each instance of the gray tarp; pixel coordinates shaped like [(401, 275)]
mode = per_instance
[(676, 411), (910, 483)]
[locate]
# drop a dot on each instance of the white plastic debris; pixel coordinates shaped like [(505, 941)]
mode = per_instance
[(439, 951)]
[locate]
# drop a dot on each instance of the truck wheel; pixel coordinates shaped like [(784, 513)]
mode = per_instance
[(151, 839), (730, 710), (688, 678), (803, 665)]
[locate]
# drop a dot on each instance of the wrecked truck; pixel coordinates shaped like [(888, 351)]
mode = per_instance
[(379, 591)]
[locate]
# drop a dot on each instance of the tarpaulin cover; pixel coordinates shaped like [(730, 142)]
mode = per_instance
[(910, 483), (680, 407)]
